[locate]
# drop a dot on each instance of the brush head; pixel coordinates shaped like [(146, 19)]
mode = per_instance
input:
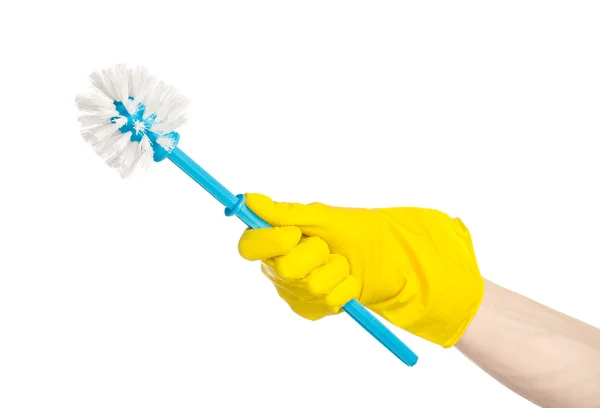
[(129, 117)]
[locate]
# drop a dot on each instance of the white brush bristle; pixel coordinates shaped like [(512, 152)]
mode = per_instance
[(100, 121)]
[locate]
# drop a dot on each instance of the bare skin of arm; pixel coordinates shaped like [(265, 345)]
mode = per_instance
[(545, 356)]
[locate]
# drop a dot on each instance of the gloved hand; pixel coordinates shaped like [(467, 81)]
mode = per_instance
[(414, 267)]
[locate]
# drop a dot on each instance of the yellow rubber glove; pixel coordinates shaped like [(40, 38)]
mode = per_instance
[(414, 267)]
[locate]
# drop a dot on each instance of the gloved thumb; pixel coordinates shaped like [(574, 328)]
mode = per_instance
[(281, 214)]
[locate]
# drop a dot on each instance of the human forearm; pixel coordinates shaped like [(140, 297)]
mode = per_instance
[(547, 357)]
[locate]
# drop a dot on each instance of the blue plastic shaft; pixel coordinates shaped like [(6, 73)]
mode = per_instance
[(234, 205)]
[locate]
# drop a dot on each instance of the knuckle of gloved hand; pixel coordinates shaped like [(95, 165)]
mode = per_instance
[(286, 238), (288, 269), (325, 278), (317, 285), (343, 293), (340, 262), (333, 300), (317, 248), (311, 253)]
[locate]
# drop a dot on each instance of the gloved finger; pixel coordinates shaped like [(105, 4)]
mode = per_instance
[(309, 309), (265, 243), (309, 254), (283, 214), (324, 279), (344, 292)]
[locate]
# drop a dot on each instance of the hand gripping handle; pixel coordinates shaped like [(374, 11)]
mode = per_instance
[(234, 205)]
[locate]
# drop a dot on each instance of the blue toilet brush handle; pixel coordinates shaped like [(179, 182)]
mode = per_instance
[(234, 205)]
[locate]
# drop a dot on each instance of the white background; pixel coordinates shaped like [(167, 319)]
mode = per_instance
[(132, 294)]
